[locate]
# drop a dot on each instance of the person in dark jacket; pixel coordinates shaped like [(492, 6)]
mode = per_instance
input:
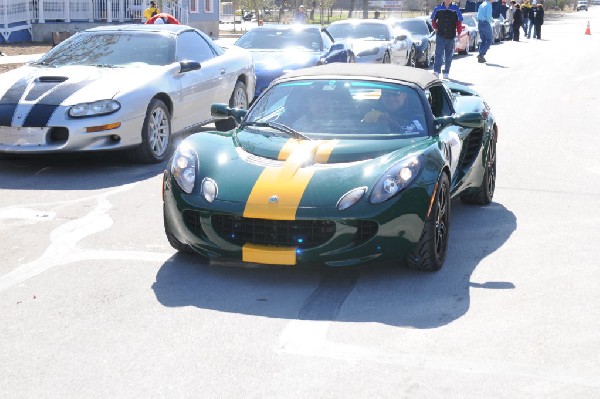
[(538, 21), (517, 21), (446, 19)]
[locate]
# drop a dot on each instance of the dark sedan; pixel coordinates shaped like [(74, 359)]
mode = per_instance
[(423, 39), (277, 49)]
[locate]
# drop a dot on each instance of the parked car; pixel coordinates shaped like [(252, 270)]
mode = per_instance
[(277, 49), (314, 182), (375, 41), (582, 5), (462, 42), (500, 28), (470, 24), (423, 39), (121, 87)]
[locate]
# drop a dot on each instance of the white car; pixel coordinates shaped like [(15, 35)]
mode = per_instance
[(121, 87), (582, 5), (375, 41)]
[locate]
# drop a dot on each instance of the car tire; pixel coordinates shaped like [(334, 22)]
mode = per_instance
[(386, 58), (238, 99), (175, 243), (427, 61), (412, 57), (484, 194), (430, 252), (156, 134)]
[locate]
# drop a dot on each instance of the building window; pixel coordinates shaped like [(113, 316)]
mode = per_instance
[(208, 7)]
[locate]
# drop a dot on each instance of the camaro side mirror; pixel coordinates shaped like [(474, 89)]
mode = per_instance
[(187, 66), (400, 38), (223, 111)]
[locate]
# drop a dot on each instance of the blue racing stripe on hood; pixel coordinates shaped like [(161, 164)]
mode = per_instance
[(10, 100), (40, 113)]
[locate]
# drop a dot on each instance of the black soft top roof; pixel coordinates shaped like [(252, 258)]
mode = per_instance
[(419, 77)]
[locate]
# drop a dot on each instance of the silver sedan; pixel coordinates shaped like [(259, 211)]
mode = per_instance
[(121, 87)]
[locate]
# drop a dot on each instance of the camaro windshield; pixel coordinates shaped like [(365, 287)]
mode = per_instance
[(359, 31), (112, 49), (279, 39), (341, 108)]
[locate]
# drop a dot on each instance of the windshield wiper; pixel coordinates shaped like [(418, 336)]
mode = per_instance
[(106, 66), (279, 127), (42, 63)]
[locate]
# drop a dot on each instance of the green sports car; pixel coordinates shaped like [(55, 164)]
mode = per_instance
[(336, 165)]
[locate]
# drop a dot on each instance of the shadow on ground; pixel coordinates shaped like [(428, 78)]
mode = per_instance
[(371, 293)]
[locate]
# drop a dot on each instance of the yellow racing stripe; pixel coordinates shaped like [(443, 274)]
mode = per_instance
[(278, 190)]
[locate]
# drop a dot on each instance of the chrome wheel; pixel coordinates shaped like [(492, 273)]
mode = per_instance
[(159, 131)]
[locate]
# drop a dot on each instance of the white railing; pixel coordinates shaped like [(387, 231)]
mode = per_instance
[(40, 11), (14, 12)]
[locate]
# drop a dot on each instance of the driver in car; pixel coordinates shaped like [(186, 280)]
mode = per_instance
[(393, 111)]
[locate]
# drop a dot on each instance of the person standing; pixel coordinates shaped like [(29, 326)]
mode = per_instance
[(151, 11), (300, 17), (517, 22), (531, 16), (525, 10), (484, 23), (538, 22), (510, 15), (446, 19)]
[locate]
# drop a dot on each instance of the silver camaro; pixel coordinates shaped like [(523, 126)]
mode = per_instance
[(121, 87)]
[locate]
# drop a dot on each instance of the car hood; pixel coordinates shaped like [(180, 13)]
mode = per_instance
[(70, 85), (324, 151), (268, 60)]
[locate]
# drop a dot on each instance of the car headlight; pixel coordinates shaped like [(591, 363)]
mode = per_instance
[(396, 179), (351, 198), (102, 107), (371, 51), (183, 167)]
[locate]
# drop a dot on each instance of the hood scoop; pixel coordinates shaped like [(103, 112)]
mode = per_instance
[(52, 79), (43, 85)]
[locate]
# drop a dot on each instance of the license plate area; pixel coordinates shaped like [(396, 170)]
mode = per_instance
[(23, 136)]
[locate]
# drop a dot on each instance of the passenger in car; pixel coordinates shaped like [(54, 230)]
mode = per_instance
[(396, 112)]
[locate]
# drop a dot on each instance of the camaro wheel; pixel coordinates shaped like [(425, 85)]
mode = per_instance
[(430, 252), (156, 134), (485, 193), (239, 99)]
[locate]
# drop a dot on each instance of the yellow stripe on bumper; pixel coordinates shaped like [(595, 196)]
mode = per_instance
[(268, 255), (278, 190)]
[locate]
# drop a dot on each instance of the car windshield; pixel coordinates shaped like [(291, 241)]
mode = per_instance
[(414, 26), (344, 108), (279, 39), (365, 31), (112, 49)]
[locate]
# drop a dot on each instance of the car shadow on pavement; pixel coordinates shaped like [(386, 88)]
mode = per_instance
[(370, 293), (75, 170)]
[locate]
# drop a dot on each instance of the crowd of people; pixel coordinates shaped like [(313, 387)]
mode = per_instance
[(527, 16), (447, 19)]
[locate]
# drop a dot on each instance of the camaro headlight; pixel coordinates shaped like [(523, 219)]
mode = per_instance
[(183, 167), (102, 107), (395, 179)]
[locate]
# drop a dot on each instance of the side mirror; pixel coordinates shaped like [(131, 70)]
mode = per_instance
[(223, 111), (471, 120), (400, 38), (186, 66)]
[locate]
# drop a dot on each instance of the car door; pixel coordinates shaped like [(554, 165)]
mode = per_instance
[(198, 87)]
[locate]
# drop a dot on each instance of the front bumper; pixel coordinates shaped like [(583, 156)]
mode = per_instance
[(317, 236)]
